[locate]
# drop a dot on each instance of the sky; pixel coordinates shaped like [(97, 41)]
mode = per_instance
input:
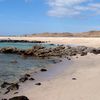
[(37, 16)]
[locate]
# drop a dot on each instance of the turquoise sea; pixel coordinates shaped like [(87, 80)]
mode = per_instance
[(12, 71), (23, 45)]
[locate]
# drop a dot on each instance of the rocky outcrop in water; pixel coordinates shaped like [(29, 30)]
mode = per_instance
[(59, 51), (21, 41)]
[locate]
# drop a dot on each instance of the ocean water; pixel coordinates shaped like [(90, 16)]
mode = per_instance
[(10, 71), (23, 45)]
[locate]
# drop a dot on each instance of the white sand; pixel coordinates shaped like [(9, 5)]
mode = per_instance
[(86, 87), (62, 40), (86, 69)]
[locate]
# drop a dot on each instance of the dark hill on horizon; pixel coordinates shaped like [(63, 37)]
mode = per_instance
[(66, 34)]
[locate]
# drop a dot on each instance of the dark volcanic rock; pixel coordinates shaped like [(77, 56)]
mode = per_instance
[(74, 79), (3, 99), (27, 75), (5, 84), (9, 50), (83, 53), (95, 51), (38, 84), (21, 41), (24, 78), (43, 52), (14, 86), (19, 98), (43, 70), (31, 79)]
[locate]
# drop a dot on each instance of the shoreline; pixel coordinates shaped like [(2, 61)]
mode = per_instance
[(80, 80), (53, 72), (84, 41)]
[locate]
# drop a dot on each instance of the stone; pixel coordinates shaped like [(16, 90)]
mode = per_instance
[(14, 86), (74, 79), (43, 70), (5, 84), (4, 99), (23, 79), (38, 84), (19, 98), (31, 79)]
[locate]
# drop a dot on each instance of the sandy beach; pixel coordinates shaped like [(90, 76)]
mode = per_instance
[(91, 42), (86, 70), (78, 81)]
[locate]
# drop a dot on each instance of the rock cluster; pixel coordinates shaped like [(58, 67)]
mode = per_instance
[(39, 51), (18, 98), (21, 41), (59, 51)]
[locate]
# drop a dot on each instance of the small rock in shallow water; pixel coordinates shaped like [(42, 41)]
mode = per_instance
[(19, 98)]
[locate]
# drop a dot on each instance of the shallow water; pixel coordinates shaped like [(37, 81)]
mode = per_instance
[(23, 45), (10, 71), (13, 66)]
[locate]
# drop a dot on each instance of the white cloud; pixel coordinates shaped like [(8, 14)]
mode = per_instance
[(61, 8)]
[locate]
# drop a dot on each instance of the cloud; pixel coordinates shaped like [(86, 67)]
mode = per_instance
[(28, 1), (62, 8)]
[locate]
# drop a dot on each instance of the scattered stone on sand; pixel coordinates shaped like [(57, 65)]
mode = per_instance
[(4, 99), (16, 93), (24, 78), (76, 56), (27, 75), (68, 58), (5, 84), (74, 78), (43, 70), (19, 98), (31, 79), (38, 84), (14, 86)]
